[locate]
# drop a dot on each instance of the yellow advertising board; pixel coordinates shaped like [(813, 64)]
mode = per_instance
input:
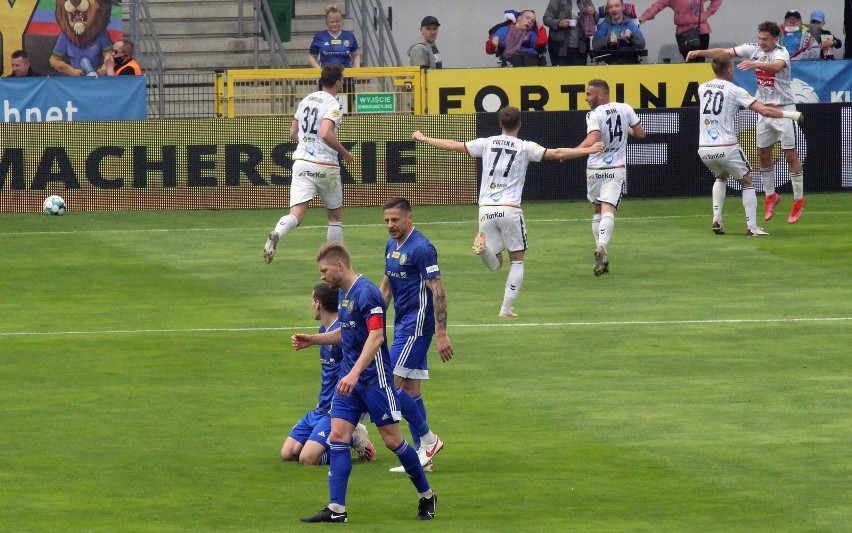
[(451, 91)]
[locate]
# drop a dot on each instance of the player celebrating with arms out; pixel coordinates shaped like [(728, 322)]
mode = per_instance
[(771, 64), (719, 102), (505, 159)]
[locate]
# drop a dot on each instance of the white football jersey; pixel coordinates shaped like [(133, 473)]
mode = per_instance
[(504, 167), (612, 120), (312, 110), (719, 101), (772, 88)]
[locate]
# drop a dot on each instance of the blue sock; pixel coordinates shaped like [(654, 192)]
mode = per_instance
[(421, 407), (324, 458), (411, 462), (416, 423), (338, 474)]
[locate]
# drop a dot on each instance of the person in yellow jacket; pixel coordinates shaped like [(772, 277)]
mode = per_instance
[(120, 62)]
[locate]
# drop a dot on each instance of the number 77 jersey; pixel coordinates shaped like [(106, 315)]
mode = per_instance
[(504, 167), (312, 110), (612, 120), (718, 102)]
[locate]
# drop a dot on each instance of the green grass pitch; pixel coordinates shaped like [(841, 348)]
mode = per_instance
[(704, 384)]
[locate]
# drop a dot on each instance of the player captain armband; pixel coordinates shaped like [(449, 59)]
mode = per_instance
[(792, 115)]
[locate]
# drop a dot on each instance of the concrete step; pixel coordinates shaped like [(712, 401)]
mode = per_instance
[(211, 61), (316, 8), (186, 28), (212, 44), (211, 10)]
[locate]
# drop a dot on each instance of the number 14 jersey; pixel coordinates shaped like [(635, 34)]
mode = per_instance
[(612, 120)]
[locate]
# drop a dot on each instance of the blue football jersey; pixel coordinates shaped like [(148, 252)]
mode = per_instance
[(363, 301), (330, 357), (407, 267)]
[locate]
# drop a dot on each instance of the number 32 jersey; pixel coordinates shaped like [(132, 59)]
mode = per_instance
[(312, 110), (612, 120), (719, 101)]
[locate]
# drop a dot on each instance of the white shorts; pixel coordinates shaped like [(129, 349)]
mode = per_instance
[(504, 228), (721, 159), (773, 130), (605, 184), (311, 179)]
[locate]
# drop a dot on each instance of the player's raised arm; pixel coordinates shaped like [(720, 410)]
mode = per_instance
[(443, 144), (772, 112), (563, 154)]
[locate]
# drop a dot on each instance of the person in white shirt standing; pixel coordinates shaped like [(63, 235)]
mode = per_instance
[(505, 159), (771, 64), (606, 172), (719, 102), (316, 161)]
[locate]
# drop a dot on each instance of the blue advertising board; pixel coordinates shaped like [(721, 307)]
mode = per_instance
[(51, 99), (814, 82)]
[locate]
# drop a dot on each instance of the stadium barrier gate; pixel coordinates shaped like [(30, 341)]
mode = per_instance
[(245, 162), (242, 93)]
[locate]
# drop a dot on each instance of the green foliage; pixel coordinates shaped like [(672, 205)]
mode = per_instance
[(147, 379)]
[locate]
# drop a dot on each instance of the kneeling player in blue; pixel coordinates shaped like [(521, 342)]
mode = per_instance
[(364, 385), (308, 440)]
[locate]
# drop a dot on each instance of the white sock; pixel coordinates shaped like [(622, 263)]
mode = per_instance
[(750, 206), (489, 259), (719, 190), (797, 179), (285, 224), (768, 177), (596, 226), (335, 232), (336, 508), (513, 284), (607, 226)]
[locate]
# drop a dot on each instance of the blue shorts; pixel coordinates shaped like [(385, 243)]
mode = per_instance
[(408, 355), (379, 403), (313, 426)]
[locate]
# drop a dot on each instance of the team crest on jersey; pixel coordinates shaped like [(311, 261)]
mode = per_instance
[(335, 113), (403, 258)]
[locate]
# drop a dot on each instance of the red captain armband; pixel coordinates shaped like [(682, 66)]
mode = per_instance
[(375, 322)]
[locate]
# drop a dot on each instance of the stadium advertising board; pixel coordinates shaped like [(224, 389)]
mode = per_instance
[(72, 99), (245, 163), (562, 88), (813, 81)]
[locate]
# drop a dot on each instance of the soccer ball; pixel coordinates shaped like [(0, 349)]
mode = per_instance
[(54, 205)]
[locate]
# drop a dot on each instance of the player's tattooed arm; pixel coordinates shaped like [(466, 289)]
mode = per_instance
[(439, 303)]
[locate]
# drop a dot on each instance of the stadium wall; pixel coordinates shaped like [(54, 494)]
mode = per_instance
[(245, 163)]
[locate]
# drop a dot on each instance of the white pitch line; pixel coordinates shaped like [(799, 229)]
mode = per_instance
[(472, 221), (483, 325)]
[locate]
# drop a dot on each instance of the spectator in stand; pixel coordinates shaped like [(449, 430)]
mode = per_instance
[(828, 42), (688, 15), (120, 62), (618, 35), (797, 38), (334, 45), (21, 65), (517, 43), (567, 42), (424, 53)]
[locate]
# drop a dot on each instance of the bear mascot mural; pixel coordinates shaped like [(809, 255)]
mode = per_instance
[(84, 41)]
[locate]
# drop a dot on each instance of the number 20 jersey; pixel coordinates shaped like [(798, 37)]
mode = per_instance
[(612, 120), (312, 110), (719, 101)]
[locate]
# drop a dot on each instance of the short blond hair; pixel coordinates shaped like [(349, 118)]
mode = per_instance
[(334, 251), (332, 9)]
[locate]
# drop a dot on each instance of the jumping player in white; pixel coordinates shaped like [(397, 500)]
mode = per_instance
[(504, 170), (611, 123), (719, 103), (771, 64), (316, 163)]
